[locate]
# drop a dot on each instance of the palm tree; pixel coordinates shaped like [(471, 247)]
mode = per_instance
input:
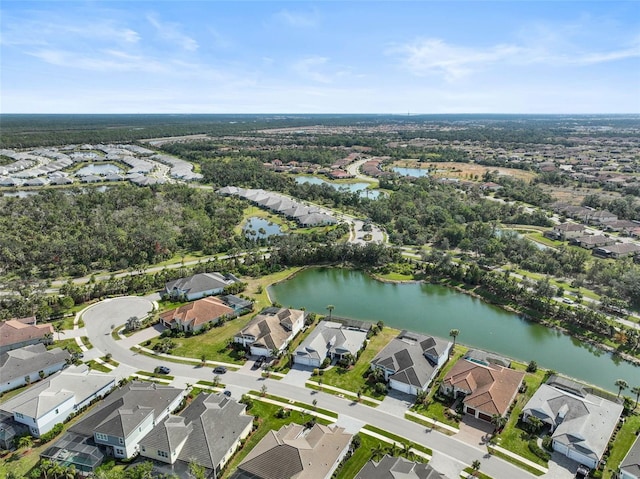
[(58, 328), (498, 421), (330, 308), (621, 384), (377, 452), (454, 334), (25, 442), (636, 390), (475, 466)]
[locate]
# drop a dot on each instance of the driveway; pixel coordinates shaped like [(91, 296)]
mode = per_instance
[(474, 431), (396, 403), (298, 375)]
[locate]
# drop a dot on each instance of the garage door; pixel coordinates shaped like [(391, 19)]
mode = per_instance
[(581, 458), (305, 361), (484, 417), (398, 386), (471, 411)]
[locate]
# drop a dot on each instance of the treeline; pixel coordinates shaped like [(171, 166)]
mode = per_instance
[(75, 232), (291, 251), (627, 207)]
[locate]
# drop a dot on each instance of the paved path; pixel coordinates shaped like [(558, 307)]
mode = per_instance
[(99, 333)]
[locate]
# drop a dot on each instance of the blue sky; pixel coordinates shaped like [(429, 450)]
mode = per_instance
[(320, 57)]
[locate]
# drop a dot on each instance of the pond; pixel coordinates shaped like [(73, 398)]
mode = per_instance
[(416, 172), (257, 228), (361, 187), (433, 309), (98, 169)]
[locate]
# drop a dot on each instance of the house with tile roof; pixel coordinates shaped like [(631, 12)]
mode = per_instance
[(630, 465), (581, 422), (329, 339), (486, 389), (27, 365), (15, 333), (194, 316), (271, 330), (55, 398), (207, 433), (296, 452), (411, 361), (391, 467), (199, 285)]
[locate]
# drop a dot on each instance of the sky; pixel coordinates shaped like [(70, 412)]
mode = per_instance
[(389, 57)]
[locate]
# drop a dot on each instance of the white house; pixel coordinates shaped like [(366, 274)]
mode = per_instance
[(329, 339), (411, 361), (29, 364), (54, 399), (208, 432), (581, 422), (271, 330), (630, 465)]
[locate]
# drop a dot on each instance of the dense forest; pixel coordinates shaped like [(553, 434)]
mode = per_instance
[(57, 233)]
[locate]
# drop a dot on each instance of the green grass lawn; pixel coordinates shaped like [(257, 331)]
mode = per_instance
[(213, 344), (354, 379), (623, 442), (257, 287), (436, 409), (512, 437), (396, 277), (540, 238), (68, 344), (98, 367)]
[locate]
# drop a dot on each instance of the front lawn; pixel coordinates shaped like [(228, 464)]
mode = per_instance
[(355, 379), (213, 344), (623, 442), (513, 437)]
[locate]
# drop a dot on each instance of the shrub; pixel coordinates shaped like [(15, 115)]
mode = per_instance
[(547, 443), (325, 363), (380, 388), (532, 367), (55, 431), (534, 448)]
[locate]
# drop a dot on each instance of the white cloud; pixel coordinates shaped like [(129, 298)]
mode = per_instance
[(298, 19), (435, 56), (171, 32), (310, 67)]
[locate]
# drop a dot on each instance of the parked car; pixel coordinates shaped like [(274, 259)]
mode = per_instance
[(219, 370), (162, 370), (582, 472), (227, 393), (259, 361)]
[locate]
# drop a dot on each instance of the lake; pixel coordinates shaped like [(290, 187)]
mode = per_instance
[(435, 310), (257, 228), (362, 188), (416, 172)]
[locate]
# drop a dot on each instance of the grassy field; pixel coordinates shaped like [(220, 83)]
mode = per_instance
[(622, 444), (467, 171), (512, 437), (213, 344), (354, 379), (436, 409), (257, 287)]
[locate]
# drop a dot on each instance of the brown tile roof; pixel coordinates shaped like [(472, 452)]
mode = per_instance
[(272, 329), (491, 387), (293, 451), (13, 331), (198, 312)]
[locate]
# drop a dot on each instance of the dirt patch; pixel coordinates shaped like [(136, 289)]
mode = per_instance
[(465, 171)]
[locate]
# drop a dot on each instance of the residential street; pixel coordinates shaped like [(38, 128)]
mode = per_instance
[(450, 452)]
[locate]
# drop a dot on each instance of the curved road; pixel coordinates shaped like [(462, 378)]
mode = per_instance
[(450, 454)]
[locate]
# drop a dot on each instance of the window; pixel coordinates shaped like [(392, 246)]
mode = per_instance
[(144, 449), (57, 411), (120, 440), (162, 453), (119, 451), (101, 437), (20, 415)]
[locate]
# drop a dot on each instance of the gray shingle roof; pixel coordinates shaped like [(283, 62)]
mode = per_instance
[(329, 336), (199, 283), (125, 408), (631, 462), (30, 359), (412, 357)]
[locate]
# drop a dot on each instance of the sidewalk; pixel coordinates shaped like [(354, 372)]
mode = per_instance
[(521, 459)]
